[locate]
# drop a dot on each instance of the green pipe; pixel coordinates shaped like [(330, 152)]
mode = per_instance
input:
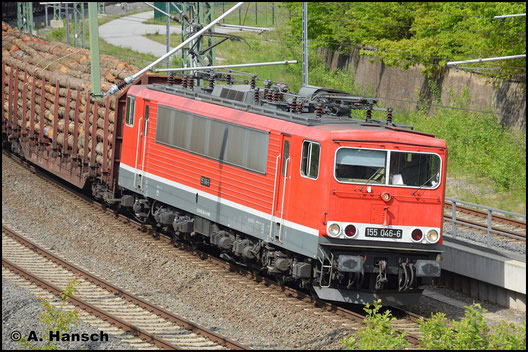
[(94, 51)]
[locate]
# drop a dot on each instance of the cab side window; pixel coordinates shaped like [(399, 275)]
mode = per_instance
[(285, 158), (311, 152), (130, 110)]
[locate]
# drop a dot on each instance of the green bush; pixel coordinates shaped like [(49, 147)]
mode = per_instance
[(55, 319), (470, 333), (377, 332), (506, 336)]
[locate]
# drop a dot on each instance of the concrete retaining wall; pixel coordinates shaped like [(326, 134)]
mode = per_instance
[(396, 87), (484, 274)]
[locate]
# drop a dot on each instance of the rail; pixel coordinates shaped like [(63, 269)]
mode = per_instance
[(489, 213), (76, 270)]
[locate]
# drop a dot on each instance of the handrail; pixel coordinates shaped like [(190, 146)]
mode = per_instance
[(283, 194), (145, 129), (274, 191), (137, 150), (487, 208)]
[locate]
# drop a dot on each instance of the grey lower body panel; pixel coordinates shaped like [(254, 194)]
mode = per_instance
[(248, 222), (361, 297)]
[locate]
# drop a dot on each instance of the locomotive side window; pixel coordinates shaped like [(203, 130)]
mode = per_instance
[(414, 169), (360, 165), (285, 158), (232, 144), (145, 122), (310, 159), (131, 105)]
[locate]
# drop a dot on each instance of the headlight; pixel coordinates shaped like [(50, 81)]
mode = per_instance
[(334, 230), (432, 236)]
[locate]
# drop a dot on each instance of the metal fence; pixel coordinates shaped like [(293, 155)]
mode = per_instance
[(490, 211)]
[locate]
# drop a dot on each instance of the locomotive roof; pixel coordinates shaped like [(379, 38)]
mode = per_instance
[(241, 97), (379, 132), (337, 127)]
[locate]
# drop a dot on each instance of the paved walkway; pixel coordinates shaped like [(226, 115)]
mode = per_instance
[(128, 32)]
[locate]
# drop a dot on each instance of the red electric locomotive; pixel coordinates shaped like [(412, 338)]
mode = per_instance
[(289, 184)]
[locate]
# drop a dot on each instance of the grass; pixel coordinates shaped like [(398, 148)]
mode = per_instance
[(487, 163)]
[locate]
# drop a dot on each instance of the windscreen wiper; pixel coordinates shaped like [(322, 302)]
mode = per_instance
[(371, 177), (423, 184)]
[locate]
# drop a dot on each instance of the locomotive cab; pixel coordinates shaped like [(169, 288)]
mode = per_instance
[(386, 193)]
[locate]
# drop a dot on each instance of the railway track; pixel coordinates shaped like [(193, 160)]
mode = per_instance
[(349, 318), (122, 309)]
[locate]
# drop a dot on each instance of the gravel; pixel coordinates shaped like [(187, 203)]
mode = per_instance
[(167, 277), (511, 248)]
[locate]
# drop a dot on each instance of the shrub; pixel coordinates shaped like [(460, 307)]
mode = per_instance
[(377, 332), (470, 333), (55, 319)]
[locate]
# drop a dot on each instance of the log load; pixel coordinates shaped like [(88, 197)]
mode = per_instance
[(28, 61)]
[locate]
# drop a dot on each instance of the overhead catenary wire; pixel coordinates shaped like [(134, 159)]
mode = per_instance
[(452, 63), (364, 47), (374, 50), (284, 62), (367, 49), (509, 16)]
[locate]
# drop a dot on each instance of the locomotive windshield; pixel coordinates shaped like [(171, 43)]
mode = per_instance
[(414, 169), (360, 165), (407, 169)]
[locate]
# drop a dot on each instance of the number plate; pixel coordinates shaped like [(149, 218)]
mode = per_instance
[(205, 181), (384, 233)]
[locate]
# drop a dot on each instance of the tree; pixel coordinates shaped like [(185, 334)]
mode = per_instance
[(411, 33)]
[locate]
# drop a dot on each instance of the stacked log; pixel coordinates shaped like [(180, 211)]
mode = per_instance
[(29, 60)]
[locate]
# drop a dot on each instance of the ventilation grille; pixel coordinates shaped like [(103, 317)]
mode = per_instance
[(232, 94)]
